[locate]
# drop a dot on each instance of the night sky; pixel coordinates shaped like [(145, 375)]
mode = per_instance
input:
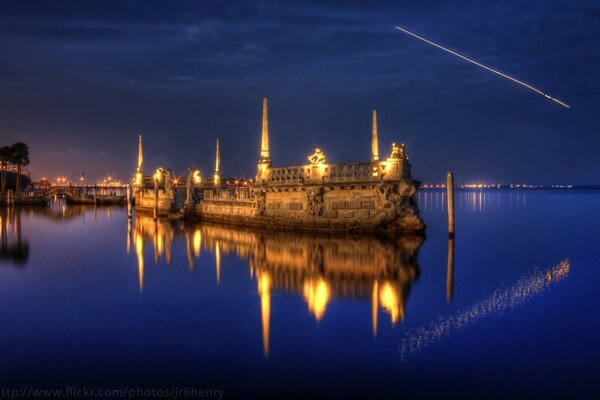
[(79, 80)]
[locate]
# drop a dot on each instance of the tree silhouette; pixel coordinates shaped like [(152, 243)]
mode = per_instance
[(6, 156), (20, 157)]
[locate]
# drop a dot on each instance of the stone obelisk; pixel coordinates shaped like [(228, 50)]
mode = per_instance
[(140, 154), (264, 144), (374, 140), (265, 161), (217, 175), (139, 173)]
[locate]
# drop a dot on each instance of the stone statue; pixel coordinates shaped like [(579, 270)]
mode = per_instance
[(317, 158), (399, 152), (168, 179), (261, 203), (315, 202)]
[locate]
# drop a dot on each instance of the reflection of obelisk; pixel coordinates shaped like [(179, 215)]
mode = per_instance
[(190, 250), (264, 290), (139, 251), (374, 140), (375, 307), (218, 261)]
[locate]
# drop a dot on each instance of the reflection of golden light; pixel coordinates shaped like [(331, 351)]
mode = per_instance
[(316, 293), (389, 301), (128, 236), (139, 250), (218, 261), (374, 307), (160, 244), (197, 242), (264, 290)]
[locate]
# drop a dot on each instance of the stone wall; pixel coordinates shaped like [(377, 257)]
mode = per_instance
[(321, 208)]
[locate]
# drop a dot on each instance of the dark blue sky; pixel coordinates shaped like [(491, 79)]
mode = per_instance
[(79, 80)]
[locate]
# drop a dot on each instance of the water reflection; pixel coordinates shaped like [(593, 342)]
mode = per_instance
[(473, 200), (316, 268), (13, 248)]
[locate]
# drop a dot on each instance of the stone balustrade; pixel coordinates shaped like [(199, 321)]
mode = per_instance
[(338, 173), (229, 196)]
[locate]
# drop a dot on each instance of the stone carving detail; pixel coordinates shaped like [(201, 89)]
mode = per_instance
[(406, 190), (317, 158), (399, 206), (261, 203), (315, 202)]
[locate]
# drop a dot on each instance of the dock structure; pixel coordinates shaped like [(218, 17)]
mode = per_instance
[(368, 197)]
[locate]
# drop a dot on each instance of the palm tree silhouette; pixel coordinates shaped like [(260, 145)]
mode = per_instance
[(6, 156), (20, 157)]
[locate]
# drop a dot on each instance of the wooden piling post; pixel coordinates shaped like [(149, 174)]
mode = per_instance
[(129, 201), (450, 190), (155, 208), (9, 197)]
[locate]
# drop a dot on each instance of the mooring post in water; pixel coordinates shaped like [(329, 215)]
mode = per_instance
[(95, 194), (155, 208), (128, 201), (450, 270), (450, 190), (9, 197)]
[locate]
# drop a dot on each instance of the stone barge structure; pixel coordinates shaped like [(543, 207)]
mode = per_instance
[(371, 197)]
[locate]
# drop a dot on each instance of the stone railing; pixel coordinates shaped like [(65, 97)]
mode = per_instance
[(227, 195), (289, 174), (336, 173)]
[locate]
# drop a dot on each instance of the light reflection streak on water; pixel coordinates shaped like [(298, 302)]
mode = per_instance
[(499, 301), (475, 200)]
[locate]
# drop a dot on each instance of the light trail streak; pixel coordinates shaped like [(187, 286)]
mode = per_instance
[(499, 301), (485, 67)]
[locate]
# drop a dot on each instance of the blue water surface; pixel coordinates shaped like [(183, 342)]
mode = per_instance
[(509, 308)]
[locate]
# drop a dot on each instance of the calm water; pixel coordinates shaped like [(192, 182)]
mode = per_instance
[(87, 300)]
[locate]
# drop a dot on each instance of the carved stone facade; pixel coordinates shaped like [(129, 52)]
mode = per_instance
[(315, 202)]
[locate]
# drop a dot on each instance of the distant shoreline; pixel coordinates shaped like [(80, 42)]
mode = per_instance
[(512, 187)]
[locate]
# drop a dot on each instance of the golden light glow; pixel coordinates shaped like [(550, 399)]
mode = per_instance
[(197, 178), (317, 294), (158, 174), (389, 301), (197, 242)]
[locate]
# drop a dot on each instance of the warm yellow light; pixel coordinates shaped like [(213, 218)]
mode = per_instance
[(317, 293), (197, 242), (389, 301), (197, 178)]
